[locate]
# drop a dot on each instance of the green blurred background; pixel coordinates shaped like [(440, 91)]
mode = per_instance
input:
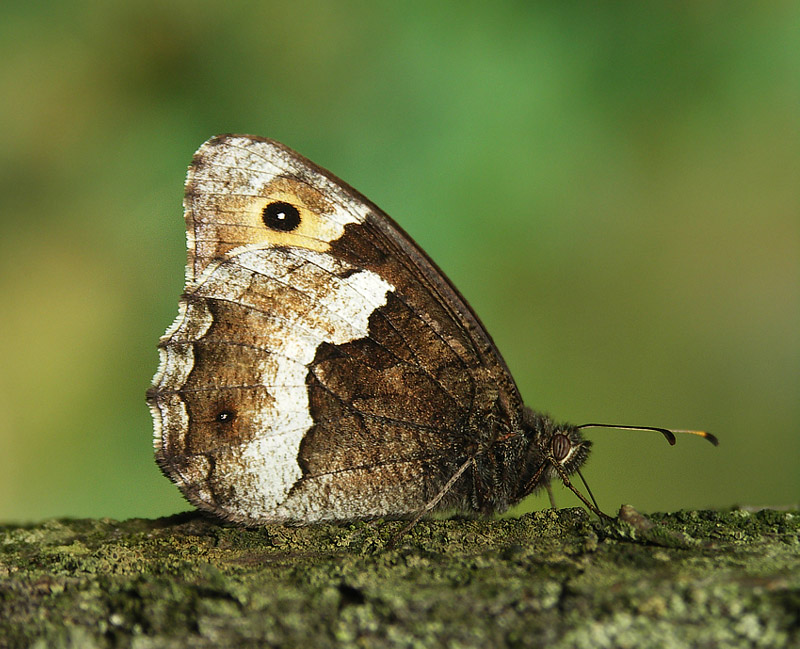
[(615, 189)]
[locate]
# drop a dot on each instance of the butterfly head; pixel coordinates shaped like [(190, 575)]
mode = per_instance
[(566, 449), (555, 445), (554, 451)]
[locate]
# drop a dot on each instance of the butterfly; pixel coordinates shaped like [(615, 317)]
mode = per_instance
[(323, 368)]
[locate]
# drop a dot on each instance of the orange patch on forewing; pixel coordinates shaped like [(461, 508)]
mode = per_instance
[(227, 222)]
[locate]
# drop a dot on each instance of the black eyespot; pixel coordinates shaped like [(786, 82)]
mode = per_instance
[(281, 216), (225, 416), (560, 446)]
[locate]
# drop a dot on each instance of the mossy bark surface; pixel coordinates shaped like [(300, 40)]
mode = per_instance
[(548, 579)]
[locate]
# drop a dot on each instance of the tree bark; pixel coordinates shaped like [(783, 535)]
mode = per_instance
[(547, 579)]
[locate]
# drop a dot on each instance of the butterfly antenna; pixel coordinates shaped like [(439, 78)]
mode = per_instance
[(666, 432)]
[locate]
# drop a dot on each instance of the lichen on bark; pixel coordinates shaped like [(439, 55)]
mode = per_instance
[(547, 579)]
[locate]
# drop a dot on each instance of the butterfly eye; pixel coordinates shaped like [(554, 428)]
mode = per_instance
[(561, 446), (281, 216)]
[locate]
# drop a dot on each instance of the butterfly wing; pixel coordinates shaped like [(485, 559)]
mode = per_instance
[(321, 367)]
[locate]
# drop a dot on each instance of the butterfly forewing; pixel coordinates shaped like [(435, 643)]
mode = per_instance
[(321, 367)]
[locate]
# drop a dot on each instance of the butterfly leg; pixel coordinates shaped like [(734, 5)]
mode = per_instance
[(590, 505), (434, 501)]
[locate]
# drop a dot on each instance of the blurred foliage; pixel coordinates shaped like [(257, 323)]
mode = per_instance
[(614, 187)]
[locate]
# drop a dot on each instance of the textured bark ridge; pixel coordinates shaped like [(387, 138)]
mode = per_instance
[(548, 579)]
